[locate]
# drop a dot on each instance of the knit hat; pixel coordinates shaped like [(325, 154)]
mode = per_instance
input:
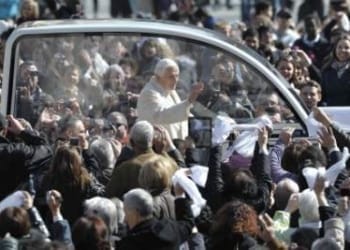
[(334, 223)]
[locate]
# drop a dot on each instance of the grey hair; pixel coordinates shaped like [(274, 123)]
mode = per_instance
[(116, 68), (105, 209), (141, 134), (117, 117), (120, 209), (139, 200), (163, 65), (104, 153), (308, 206), (325, 244), (284, 189)]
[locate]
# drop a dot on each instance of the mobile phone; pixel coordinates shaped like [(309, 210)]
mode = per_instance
[(58, 198), (74, 141), (200, 131)]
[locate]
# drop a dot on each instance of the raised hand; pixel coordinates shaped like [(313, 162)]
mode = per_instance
[(14, 126), (263, 138), (321, 116), (326, 138), (286, 136), (293, 203), (195, 91)]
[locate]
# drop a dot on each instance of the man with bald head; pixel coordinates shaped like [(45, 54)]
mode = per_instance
[(160, 104)]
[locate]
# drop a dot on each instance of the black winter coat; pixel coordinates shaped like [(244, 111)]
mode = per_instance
[(18, 159), (216, 193), (335, 89), (165, 234)]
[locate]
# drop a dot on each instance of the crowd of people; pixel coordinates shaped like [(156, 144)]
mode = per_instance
[(98, 154)]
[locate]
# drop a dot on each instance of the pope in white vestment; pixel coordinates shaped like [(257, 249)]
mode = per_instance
[(160, 104)]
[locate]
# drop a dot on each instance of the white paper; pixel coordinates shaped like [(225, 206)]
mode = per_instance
[(222, 128), (180, 178), (13, 200), (311, 173), (330, 174), (199, 174), (313, 126), (245, 142), (333, 172)]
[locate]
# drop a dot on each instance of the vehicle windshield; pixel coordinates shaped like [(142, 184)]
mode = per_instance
[(93, 75)]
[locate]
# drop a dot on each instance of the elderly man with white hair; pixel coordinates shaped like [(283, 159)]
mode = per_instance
[(147, 232), (160, 104), (125, 176)]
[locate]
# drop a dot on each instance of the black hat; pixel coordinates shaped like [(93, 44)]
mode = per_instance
[(3, 121), (339, 5), (284, 13)]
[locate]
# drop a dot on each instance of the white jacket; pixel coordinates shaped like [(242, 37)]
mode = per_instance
[(165, 108)]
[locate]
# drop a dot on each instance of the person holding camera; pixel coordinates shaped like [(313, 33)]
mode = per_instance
[(30, 95), (27, 154), (22, 226), (72, 132)]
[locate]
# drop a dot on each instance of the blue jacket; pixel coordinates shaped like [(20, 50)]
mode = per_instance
[(9, 8)]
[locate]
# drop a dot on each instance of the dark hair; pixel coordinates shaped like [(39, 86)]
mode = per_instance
[(290, 158), (14, 220), (261, 6), (312, 155), (67, 169), (131, 62), (233, 220), (90, 233), (241, 184), (284, 14), (304, 237), (313, 17), (67, 122), (263, 29), (250, 32), (312, 84), (151, 42)]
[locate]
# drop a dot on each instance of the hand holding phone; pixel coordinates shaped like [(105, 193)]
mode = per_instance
[(74, 141), (54, 201), (200, 131)]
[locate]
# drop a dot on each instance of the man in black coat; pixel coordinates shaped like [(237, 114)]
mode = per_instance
[(27, 154), (147, 232)]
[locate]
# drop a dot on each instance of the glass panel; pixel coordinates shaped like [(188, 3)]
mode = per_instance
[(94, 75)]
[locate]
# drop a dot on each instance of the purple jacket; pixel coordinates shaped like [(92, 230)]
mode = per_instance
[(277, 172)]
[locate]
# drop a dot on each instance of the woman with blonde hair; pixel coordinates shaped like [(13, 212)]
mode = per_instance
[(29, 11), (155, 177)]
